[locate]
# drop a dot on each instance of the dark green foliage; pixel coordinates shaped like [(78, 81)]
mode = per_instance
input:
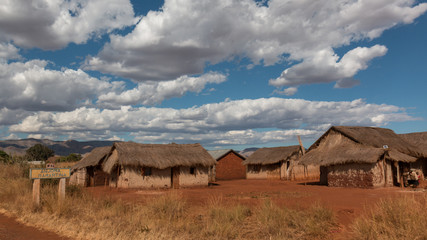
[(39, 152), (73, 157), (4, 157)]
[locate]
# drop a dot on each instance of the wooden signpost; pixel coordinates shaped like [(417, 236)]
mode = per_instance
[(48, 173)]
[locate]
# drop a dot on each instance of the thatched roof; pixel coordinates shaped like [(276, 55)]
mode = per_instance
[(363, 145), (418, 139), (265, 156), (159, 156), (218, 154), (93, 158)]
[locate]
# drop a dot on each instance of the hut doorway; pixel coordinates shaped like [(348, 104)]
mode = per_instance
[(175, 177), (397, 173), (90, 178)]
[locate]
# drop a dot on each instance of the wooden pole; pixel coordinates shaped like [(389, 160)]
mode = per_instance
[(61, 190), (300, 143), (385, 172), (36, 192), (303, 153)]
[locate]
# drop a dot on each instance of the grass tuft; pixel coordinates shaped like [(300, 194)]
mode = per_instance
[(402, 218)]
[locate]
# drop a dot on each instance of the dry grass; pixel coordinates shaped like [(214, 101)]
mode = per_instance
[(285, 223), (170, 216), (403, 218)]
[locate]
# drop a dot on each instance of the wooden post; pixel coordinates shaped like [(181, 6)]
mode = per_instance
[(36, 192), (61, 190), (385, 172), (303, 153), (300, 143)]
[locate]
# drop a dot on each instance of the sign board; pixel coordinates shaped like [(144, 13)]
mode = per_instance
[(47, 173)]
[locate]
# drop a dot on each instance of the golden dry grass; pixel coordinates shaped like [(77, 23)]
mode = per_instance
[(402, 218), (170, 216)]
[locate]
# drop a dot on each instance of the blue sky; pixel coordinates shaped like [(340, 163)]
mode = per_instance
[(226, 74)]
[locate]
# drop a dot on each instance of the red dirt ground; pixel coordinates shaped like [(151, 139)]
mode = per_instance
[(347, 203), (10, 229)]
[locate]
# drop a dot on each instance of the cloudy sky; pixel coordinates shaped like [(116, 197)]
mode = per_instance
[(226, 73)]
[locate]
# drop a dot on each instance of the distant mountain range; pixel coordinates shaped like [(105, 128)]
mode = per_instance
[(62, 148), (248, 151)]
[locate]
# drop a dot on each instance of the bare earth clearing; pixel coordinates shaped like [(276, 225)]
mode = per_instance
[(347, 203)]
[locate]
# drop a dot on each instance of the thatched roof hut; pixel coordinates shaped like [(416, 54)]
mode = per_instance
[(94, 158), (418, 139), (158, 156), (362, 156), (359, 145), (273, 163), (266, 156), (87, 172)]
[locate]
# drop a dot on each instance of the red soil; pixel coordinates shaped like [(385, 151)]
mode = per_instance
[(10, 229), (347, 203)]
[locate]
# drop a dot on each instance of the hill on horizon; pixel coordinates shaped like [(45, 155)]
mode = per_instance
[(62, 148)]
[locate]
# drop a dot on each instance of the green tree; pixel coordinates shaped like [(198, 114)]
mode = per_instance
[(73, 157), (4, 157), (39, 152)]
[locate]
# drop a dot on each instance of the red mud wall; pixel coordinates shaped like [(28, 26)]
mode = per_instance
[(351, 175), (230, 167)]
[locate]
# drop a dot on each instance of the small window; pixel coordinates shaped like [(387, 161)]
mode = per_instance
[(146, 171), (256, 168), (193, 171)]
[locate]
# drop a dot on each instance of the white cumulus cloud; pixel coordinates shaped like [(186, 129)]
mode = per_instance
[(325, 66), (31, 86), (150, 93), (8, 51), (185, 35), (209, 122), (55, 23)]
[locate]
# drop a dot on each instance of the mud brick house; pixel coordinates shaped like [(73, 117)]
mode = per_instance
[(134, 165), (273, 163), (418, 139), (88, 171), (362, 157), (229, 165)]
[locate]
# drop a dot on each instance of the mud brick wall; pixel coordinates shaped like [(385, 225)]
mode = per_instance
[(230, 167), (355, 175)]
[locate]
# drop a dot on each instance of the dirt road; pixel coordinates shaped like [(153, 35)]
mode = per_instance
[(10, 229)]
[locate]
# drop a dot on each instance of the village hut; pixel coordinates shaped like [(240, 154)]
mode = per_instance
[(88, 171), (229, 165), (134, 165), (418, 139), (273, 163), (361, 156)]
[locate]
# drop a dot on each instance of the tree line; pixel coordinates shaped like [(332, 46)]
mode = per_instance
[(38, 152)]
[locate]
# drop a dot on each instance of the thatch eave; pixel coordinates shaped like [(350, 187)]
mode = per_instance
[(267, 156), (94, 158), (160, 156)]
